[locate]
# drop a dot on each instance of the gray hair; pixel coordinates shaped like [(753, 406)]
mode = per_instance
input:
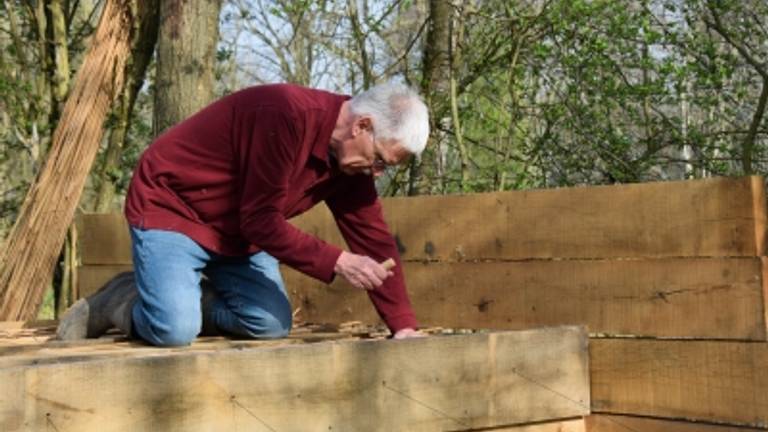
[(398, 113)]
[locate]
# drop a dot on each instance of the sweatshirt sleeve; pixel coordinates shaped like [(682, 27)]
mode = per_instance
[(268, 156), (360, 218)]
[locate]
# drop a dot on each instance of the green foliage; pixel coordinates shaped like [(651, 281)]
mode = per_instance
[(549, 93), (48, 308), (606, 91)]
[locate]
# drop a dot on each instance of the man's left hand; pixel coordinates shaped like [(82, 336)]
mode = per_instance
[(407, 333)]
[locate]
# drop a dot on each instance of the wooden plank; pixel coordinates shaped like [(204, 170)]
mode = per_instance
[(430, 384), (693, 297), (712, 217), (15, 325), (615, 423), (687, 297), (93, 277), (714, 381), (575, 425), (760, 214), (104, 238), (764, 303), (11, 325)]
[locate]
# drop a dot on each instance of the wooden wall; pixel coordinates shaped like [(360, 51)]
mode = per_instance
[(668, 277)]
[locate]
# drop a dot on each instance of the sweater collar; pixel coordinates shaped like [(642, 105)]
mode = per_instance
[(321, 150)]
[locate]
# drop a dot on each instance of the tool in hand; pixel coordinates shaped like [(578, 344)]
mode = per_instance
[(388, 264)]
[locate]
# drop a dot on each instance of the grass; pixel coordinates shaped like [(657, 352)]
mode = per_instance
[(48, 308)]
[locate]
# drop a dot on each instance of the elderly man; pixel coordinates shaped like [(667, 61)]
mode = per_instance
[(212, 196)]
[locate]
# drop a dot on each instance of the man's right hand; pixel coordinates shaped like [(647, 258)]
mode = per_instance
[(361, 271)]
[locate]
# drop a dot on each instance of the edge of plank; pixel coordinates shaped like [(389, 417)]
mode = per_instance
[(759, 205)]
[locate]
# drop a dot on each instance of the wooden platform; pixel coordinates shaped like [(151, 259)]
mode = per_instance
[(316, 380)]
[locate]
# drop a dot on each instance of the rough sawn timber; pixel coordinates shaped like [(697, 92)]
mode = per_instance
[(711, 381), (573, 425), (718, 217), (615, 423), (720, 298), (459, 382)]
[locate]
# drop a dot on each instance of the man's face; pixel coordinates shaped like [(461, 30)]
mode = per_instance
[(362, 153)]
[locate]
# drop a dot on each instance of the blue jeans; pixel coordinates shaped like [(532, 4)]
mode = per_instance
[(251, 300)]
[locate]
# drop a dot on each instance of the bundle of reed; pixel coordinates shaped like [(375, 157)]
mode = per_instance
[(29, 256)]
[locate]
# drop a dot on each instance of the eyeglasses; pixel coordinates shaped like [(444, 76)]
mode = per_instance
[(379, 164)]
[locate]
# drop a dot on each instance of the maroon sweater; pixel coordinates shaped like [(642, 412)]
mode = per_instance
[(231, 175)]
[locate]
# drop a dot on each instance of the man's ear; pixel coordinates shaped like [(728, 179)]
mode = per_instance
[(364, 123)]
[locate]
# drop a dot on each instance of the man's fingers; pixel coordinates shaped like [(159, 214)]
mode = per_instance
[(362, 282), (408, 333), (364, 272), (375, 278), (366, 279)]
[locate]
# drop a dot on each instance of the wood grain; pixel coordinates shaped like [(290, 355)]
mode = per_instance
[(614, 423), (713, 217), (431, 384), (719, 217), (714, 381), (575, 425), (93, 277), (688, 297)]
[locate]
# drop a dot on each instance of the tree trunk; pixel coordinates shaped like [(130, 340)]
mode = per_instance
[(29, 256), (42, 83), (186, 53), (456, 35), (435, 87), (66, 294), (143, 46), (358, 40), (60, 72)]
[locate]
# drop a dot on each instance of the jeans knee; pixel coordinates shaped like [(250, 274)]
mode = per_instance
[(174, 332), (269, 326)]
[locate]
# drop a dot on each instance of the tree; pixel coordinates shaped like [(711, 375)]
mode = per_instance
[(435, 84), (186, 53)]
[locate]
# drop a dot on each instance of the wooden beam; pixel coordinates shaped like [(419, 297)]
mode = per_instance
[(712, 381), (575, 425), (92, 277), (438, 383), (103, 238), (719, 217), (712, 217), (687, 297), (718, 298), (615, 423)]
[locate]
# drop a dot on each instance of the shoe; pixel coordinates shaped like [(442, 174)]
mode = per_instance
[(209, 297), (110, 306)]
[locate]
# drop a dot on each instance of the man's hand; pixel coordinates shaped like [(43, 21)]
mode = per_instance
[(361, 271), (407, 333)]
